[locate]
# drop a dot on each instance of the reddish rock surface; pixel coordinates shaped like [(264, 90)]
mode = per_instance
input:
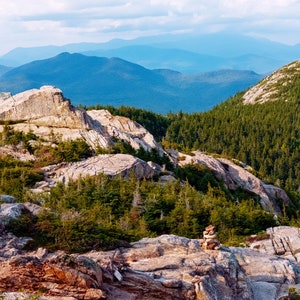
[(166, 267)]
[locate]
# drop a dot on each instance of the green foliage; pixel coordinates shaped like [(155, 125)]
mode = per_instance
[(72, 150), (121, 146), (16, 177), (200, 177), (62, 151), (9, 136), (101, 213), (265, 136), (153, 155), (294, 293)]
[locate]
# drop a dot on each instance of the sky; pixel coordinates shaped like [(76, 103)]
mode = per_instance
[(30, 23)]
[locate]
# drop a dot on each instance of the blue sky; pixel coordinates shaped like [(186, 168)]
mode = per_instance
[(26, 23)]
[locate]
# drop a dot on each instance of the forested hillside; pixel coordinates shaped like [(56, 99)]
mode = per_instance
[(265, 136), (99, 212)]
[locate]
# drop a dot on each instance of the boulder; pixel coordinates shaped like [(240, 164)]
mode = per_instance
[(124, 129), (282, 240), (16, 152), (55, 110), (108, 164), (10, 211), (8, 199)]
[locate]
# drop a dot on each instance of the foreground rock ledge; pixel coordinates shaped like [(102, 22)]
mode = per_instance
[(166, 267)]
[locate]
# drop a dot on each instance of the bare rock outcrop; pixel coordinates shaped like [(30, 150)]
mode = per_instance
[(164, 267), (46, 113), (44, 107), (108, 164), (180, 265), (125, 129), (235, 176), (267, 89), (281, 240), (18, 153), (10, 211), (57, 275)]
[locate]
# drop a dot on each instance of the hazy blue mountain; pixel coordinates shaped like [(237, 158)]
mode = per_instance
[(91, 80), (4, 69), (21, 55), (186, 53), (153, 58), (230, 45)]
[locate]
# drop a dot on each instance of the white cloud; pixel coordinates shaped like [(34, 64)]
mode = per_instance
[(32, 23)]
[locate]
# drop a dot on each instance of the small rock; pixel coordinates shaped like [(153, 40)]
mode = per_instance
[(94, 294), (171, 283), (8, 199)]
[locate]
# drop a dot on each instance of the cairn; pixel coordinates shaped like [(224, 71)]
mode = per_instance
[(210, 241)]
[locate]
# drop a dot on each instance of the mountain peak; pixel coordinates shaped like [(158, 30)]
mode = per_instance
[(46, 111), (277, 86)]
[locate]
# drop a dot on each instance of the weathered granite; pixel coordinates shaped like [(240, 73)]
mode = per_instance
[(125, 129), (267, 89), (227, 273), (46, 113), (108, 164), (282, 240), (164, 267), (235, 176), (18, 153), (8, 198)]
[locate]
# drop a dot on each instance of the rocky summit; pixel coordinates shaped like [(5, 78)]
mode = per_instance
[(270, 88), (47, 113), (166, 267)]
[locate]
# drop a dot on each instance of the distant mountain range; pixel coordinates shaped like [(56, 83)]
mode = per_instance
[(184, 53), (91, 80), (4, 69)]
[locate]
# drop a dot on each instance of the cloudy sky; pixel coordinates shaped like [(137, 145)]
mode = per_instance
[(26, 23)]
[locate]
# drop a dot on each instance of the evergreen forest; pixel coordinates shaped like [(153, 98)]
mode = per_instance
[(102, 212)]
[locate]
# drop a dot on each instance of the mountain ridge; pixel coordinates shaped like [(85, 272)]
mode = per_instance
[(264, 133), (220, 51), (94, 80)]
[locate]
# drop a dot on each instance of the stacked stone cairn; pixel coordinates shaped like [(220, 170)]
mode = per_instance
[(210, 241)]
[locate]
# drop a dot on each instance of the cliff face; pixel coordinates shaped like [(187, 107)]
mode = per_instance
[(46, 112), (166, 267)]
